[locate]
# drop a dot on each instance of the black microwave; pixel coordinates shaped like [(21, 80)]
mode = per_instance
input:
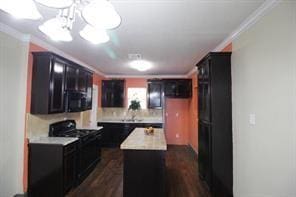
[(75, 101)]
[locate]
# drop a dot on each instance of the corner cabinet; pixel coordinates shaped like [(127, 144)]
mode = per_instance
[(113, 93), (215, 123), (52, 77), (178, 88), (155, 94)]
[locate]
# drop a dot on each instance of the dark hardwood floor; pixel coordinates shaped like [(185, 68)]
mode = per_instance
[(106, 179)]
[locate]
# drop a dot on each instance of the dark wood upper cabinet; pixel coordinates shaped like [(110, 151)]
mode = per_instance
[(113, 93), (57, 86), (215, 123), (178, 88), (155, 94), (82, 80), (52, 77), (48, 78), (71, 78), (89, 90)]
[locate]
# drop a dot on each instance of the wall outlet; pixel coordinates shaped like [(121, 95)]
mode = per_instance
[(177, 135), (252, 119), (177, 114)]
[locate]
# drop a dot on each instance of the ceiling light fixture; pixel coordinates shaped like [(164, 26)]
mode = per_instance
[(56, 3), (141, 65), (55, 29), (25, 9), (93, 35), (99, 15)]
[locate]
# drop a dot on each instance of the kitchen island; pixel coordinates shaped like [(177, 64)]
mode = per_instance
[(144, 164)]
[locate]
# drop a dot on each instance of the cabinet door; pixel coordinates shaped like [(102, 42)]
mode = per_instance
[(69, 173), (118, 93), (57, 87), (112, 93), (204, 70), (107, 96), (204, 101), (106, 137), (82, 80), (170, 88), (89, 85), (71, 78), (154, 95), (204, 152), (184, 88)]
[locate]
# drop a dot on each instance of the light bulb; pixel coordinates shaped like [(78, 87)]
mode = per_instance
[(141, 65), (101, 14), (24, 9), (54, 29), (93, 35)]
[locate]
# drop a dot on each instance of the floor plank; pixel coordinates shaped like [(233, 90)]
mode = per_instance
[(107, 178)]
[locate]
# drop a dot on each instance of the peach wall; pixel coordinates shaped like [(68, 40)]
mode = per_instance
[(97, 80), (193, 115), (177, 119)]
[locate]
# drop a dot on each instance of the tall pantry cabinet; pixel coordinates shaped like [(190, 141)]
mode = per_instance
[(215, 123)]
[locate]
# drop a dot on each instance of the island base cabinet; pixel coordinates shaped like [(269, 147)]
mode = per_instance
[(144, 173)]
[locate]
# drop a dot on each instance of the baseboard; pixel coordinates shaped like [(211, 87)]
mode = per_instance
[(21, 195), (193, 152)]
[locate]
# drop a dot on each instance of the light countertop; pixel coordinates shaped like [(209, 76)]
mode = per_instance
[(52, 140), (138, 140), (89, 127), (132, 122)]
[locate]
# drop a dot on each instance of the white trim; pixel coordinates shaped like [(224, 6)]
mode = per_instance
[(14, 33), (49, 47), (193, 70), (251, 20), (146, 76)]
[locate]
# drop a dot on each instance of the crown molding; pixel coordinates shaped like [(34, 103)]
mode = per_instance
[(14, 33), (147, 76), (191, 72), (51, 48), (246, 24)]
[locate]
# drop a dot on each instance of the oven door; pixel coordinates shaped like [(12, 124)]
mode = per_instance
[(76, 101)]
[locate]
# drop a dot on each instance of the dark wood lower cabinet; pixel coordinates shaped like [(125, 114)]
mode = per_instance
[(144, 173), (52, 169)]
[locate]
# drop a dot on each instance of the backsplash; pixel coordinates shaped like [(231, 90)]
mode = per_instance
[(38, 125), (123, 113)]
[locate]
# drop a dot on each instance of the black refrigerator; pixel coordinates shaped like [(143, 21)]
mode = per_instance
[(215, 123)]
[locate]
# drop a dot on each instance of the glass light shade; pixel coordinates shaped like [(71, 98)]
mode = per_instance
[(101, 14), (141, 65), (24, 9), (93, 35), (56, 3), (54, 29)]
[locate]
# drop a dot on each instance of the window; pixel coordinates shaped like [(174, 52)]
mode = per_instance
[(138, 94)]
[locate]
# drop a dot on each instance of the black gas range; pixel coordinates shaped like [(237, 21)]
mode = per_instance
[(88, 148)]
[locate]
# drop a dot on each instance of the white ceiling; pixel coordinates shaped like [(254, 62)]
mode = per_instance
[(173, 34)]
